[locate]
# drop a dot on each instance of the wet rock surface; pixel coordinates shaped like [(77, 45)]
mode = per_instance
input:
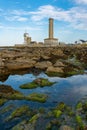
[(55, 61), (39, 82), (8, 93), (65, 60)]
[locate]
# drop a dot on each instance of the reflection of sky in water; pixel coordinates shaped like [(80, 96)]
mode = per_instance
[(69, 90)]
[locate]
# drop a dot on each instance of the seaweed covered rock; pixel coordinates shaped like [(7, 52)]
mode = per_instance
[(7, 92), (37, 97), (40, 82), (19, 112), (27, 125), (2, 101)]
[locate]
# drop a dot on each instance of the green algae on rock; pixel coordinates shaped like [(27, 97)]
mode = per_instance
[(79, 105), (34, 118), (80, 122), (57, 113), (2, 101), (37, 97), (8, 93), (7, 108), (16, 96), (24, 125), (60, 117), (27, 125), (61, 106), (40, 82), (18, 112)]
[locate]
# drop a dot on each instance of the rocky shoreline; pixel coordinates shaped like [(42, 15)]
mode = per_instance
[(54, 61)]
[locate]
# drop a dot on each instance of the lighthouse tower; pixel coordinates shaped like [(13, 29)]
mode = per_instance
[(51, 40)]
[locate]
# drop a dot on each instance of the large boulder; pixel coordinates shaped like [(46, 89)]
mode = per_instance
[(54, 69), (59, 64), (43, 64), (22, 64)]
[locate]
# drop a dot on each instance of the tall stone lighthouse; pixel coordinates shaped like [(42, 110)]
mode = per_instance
[(51, 40)]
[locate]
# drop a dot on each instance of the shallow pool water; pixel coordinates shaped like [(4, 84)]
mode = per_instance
[(69, 90)]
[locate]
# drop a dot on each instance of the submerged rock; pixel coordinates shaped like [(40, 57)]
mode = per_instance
[(24, 126), (65, 127), (8, 93), (27, 125), (23, 110)]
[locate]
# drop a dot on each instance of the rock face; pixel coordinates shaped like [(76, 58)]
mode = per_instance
[(48, 59), (54, 69), (59, 64), (22, 64), (43, 64)]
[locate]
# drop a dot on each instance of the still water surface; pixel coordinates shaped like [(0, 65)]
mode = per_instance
[(69, 90)]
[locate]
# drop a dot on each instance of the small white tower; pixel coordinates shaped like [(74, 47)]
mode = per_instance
[(27, 39)]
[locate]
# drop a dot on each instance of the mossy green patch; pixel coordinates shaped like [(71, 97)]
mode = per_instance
[(57, 113), (16, 96), (34, 118), (74, 72), (52, 74), (19, 112), (84, 106), (40, 82), (43, 82), (29, 86), (2, 101), (7, 108), (37, 97), (61, 106), (79, 105), (80, 122)]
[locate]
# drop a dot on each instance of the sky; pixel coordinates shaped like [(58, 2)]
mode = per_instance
[(31, 16)]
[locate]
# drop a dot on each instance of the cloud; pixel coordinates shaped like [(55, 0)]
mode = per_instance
[(73, 16), (49, 11), (81, 1), (16, 18), (19, 12), (4, 27)]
